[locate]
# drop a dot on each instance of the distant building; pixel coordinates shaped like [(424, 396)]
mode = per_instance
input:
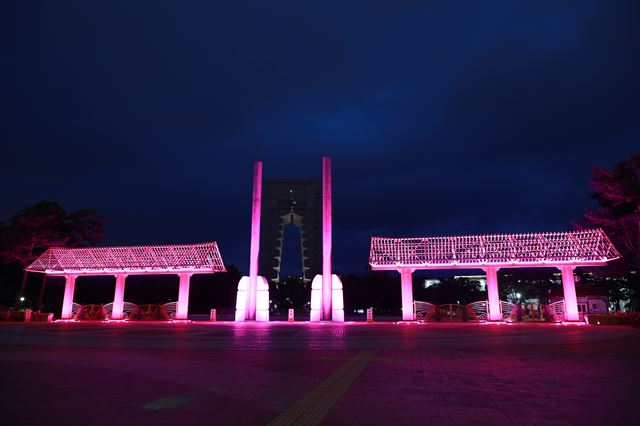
[(430, 281)]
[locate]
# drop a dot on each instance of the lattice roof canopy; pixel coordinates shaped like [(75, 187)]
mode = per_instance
[(579, 248), (196, 258)]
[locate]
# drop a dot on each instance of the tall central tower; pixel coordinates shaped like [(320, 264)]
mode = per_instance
[(307, 205), (297, 203)]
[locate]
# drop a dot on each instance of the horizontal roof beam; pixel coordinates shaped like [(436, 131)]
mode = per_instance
[(482, 266), (157, 259), (581, 248)]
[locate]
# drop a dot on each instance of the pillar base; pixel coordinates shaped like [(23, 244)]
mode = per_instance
[(316, 299), (241, 299), (494, 320), (262, 300), (337, 300)]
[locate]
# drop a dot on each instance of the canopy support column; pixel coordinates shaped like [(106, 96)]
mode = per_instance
[(569, 290), (67, 302), (118, 298), (406, 281), (493, 295), (183, 296)]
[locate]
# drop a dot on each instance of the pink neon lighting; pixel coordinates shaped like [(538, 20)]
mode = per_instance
[(67, 301), (252, 291), (326, 239), (569, 290), (580, 248), (118, 298), (494, 313), (406, 283), (195, 258), (183, 296)]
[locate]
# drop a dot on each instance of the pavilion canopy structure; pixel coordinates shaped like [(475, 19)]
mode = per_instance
[(183, 260), (194, 258), (548, 249), (562, 250)]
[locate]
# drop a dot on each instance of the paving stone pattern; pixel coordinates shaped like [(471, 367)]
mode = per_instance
[(332, 374)]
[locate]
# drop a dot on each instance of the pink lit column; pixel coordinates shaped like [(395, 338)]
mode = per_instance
[(183, 296), (492, 294), (407, 294), (252, 291), (118, 298), (569, 289), (326, 239), (67, 302)]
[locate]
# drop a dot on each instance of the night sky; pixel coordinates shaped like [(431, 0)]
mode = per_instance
[(441, 118)]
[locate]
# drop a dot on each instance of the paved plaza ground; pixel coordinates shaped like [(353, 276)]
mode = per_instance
[(342, 374)]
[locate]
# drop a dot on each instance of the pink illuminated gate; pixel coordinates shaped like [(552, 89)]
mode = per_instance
[(252, 300), (562, 250), (183, 260)]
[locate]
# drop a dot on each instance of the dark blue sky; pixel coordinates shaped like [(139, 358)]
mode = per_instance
[(441, 118)]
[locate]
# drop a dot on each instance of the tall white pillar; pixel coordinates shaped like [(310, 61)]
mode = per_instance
[(183, 296), (67, 301), (118, 297), (493, 295), (569, 289), (327, 289), (407, 294), (252, 291)]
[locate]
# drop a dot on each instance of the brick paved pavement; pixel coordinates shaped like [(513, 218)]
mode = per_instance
[(378, 374)]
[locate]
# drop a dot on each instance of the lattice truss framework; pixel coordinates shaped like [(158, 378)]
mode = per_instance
[(587, 247), (196, 258)]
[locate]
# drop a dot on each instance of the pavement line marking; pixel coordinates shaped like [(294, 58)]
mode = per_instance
[(315, 404), (298, 407)]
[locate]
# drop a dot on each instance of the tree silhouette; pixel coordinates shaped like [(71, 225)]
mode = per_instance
[(46, 224), (617, 193), (451, 290)]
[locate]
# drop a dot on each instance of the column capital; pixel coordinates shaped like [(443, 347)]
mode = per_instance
[(565, 267), (410, 270), (492, 268)]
